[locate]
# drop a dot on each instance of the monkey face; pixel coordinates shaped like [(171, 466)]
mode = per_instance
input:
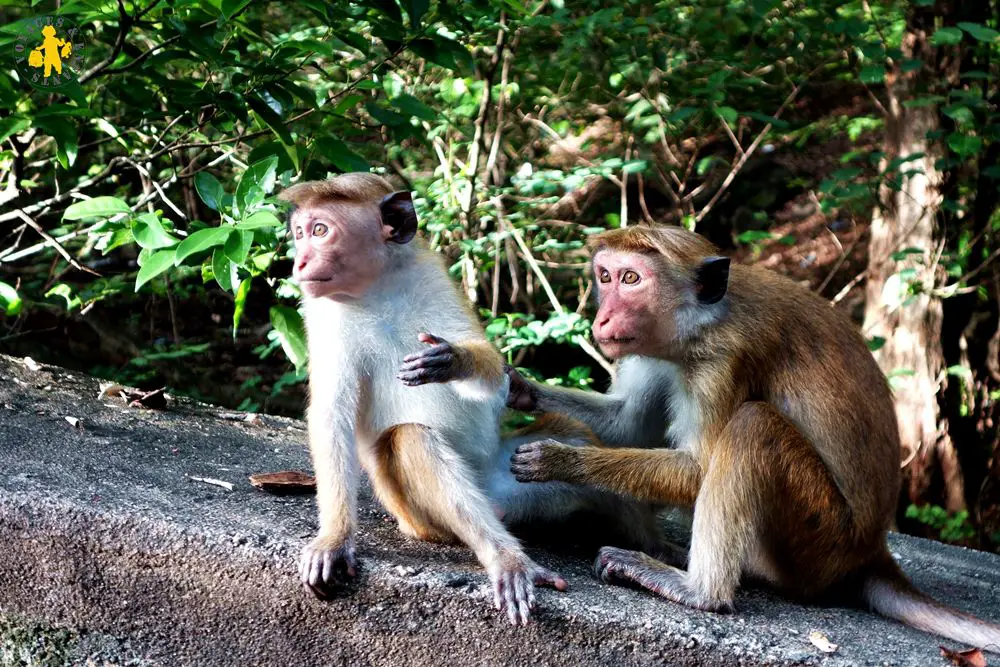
[(629, 292), (341, 237), (652, 306), (340, 249)]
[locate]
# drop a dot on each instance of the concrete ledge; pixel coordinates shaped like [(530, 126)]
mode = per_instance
[(109, 551)]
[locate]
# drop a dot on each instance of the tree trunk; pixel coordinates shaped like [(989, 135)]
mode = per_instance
[(900, 308)]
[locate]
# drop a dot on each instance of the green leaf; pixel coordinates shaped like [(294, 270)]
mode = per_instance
[(704, 164), (241, 301), (291, 332), (415, 9), (223, 269), (342, 157), (209, 189), (66, 292), (203, 239), (237, 246), (154, 265), (411, 106), (256, 182), (148, 232), (271, 119), (872, 74), (10, 301), (960, 113), (964, 144), (764, 118), (875, 343), (64, 132), (925, 101), (98, 207), (729, 114), (12, 125), (945, 36), (980, 32), (260, 220), (230, 7), (117, 238)]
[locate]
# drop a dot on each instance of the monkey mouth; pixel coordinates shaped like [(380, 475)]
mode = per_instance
[(616, 340)]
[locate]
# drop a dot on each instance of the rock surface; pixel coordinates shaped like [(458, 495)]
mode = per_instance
[(111, 551)]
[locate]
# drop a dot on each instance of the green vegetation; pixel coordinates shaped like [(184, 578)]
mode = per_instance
[(855, 146)]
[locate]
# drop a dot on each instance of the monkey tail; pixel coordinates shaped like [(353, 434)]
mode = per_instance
[(889, 593)]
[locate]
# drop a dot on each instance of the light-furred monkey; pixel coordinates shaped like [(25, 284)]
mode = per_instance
[(433, 452), (784, 434)]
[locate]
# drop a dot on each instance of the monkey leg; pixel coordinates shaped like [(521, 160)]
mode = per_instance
[(388, 476), (433, 487), (767, 506)]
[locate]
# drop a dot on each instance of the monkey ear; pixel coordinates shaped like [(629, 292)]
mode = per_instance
[(712, 279), (397, 212)]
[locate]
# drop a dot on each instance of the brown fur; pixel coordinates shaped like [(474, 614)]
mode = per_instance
[(398, 462), (795, 472), (355, 187), (479, 359)]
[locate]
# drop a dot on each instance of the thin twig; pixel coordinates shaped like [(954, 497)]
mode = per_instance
[(553, 299), (49, 241), (749, 151)]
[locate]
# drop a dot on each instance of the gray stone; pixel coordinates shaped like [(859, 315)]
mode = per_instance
[(112, 552)]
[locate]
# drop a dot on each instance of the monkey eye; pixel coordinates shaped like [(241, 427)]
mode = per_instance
[(320, 230), (298, 232), (630, 278), (605, 276)]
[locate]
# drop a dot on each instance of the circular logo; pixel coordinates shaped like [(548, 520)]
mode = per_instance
[(49, 51)]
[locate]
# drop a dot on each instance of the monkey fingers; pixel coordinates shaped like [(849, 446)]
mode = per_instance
[(520, 394), (433, 364), (514, 592), (324, 567), (616, 566), (542, 461), (545, 577)]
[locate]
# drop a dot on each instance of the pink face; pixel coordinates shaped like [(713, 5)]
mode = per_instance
[(629, 296), (340, 249)]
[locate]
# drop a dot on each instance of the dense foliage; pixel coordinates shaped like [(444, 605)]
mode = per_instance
[(138, 226)]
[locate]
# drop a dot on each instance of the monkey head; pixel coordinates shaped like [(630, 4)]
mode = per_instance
[(657, 288), (343, 229)]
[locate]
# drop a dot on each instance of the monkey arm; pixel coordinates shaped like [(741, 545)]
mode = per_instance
[(331, 420), (479, 369), (618, 420), (667, 476)]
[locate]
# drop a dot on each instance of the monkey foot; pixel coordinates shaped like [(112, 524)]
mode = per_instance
[(326, 565), (618, 566), (514, 589)]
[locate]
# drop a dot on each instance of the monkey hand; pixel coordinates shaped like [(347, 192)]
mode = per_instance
[(521, 395), (327, 564), (438, 363), (544, 461), (514, 579)]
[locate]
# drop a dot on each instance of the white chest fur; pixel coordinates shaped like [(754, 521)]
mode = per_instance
[(684, 431)]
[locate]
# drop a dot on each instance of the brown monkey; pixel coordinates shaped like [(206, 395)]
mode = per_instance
[(433, 452), (785, 438)]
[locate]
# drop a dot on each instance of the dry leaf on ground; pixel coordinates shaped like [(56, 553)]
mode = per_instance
[(285, 482), (820, 641), (972, 657)]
